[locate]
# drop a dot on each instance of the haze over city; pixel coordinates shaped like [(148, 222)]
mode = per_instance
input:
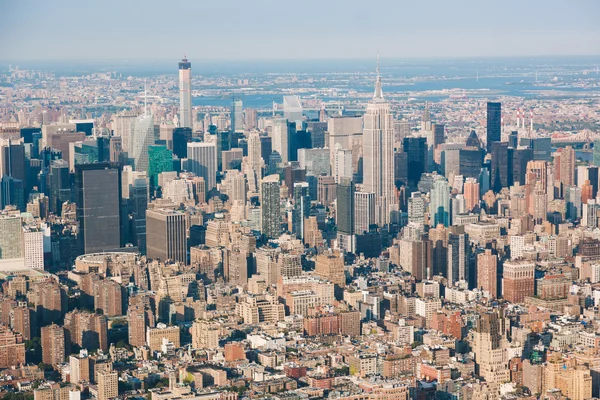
[(345, 200)]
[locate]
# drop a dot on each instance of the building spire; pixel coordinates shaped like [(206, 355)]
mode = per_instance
[(378, 93), (145, 98)]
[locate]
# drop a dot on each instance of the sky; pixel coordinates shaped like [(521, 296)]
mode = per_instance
[(41, 30)]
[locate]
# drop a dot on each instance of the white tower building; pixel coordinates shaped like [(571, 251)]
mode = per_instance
[(185, 93)]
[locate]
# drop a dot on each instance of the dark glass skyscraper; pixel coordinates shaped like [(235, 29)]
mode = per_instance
[(494, 121), (181, 137), (345, 206), (98, 199), (416, 150), (470, 161), (500, 166), (160, 159), (520, 158)]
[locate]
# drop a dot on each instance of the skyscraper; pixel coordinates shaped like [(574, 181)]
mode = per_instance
[(378, 154), (281, 135), (237, 116), (270, 206), (494, 121), (416, 150), (500, 166), (364, 211), (185, 93), (181, 137), (202, 161), (459, 258), (53, 344), (160, 159), (301, 208), (567, 166), (439, 207), (98, 200), (166, 235), (345, 213), (143, 137), (487, 272)]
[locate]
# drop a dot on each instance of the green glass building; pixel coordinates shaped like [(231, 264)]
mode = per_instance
[(160, 159)]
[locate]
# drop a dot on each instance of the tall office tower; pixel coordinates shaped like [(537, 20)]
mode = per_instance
[(11, 244), (98, 199), (348, 132), (518, 280), (315, 161), (270, 189), (185, 94), (470, 160), (12, 192), (520, 158), (487, 272), (537, 171), (330, 267), (345, 213), (281, 135), (540, 203), (160, 159), (459, 258), (237, 116), (123, 126), (439, 205), (234, 186), (567, 166), (378, 155), (250, 119), (202, 161), (473, 140), (435, 137), (108, 385), (53, 344), (586, 191), (342, 163), (401, 130), (12, 159), (439, 242), (494, 124), (292, 109), (490, 347), (60, 137), (142, 138), (364, 211), (471, 192), (416, 208), (301, 208), (166, 235), (317, 131), (416, 150), (181, 137), (400, 168), (266, 147), (500, 166), (573, 202), (255, 159)]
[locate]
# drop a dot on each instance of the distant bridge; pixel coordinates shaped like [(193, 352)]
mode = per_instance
[(582, 140)]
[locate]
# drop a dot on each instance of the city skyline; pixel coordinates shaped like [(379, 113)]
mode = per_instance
[(357, 31)]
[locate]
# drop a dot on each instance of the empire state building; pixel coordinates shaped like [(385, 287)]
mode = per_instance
[(378, 154)]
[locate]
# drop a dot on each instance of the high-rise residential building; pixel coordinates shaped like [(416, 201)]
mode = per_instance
[(281, 134), (33, 247), (186, 119), (270, 193), (500, 166), (237, 116), (50, 302), (166, 235), (471, 192), (364, 211), (108, 385), (416, 151), (202, 161), (567, 166), (11, 237), (53, 344), (494, 123), (250, 119), (518, 280), (86, 330), (439, 206), (98, 199), (378, 155), (160, 159), (416, 257), (22, 320), (142, 138), (12, 348), (490, 347), (79, 366), (459, 258), (487, 272), (139, 318)]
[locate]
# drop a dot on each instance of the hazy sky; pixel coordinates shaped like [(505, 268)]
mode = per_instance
[(297, 29)]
